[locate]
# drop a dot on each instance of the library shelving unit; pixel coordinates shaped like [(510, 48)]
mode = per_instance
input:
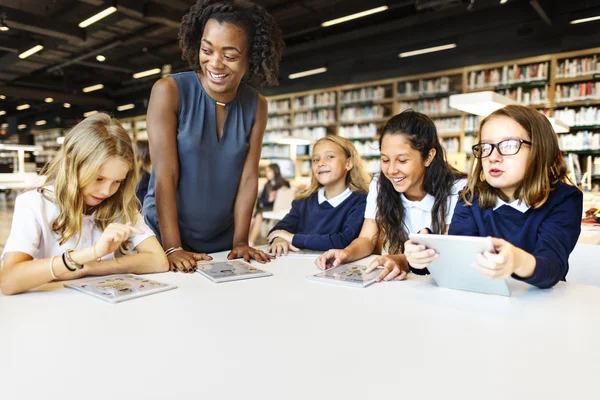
[(49, 140), (429, 94), (136, 127), (577, 103)]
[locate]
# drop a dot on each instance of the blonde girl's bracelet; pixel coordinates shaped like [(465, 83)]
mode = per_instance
[(51, 268), (69, 262)]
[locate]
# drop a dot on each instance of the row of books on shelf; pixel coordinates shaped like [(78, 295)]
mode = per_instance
[(452, 145), (367, 149), (324, 116), (358, 131), (472, 123), (506, 75), (424, 86), (583, 140), (535, 96), (571, 68), (577, 91), (315, 100), (448, 125), (432, 106), (282, 121), (364, 94), (582, 116), (362, 113)]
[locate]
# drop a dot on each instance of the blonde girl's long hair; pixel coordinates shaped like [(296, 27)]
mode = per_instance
[(357, 179), (79, 159), (546, 165)]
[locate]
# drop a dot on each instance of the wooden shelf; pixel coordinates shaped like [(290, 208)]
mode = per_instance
[(371, 101), (585, 127), (370, 156), (307, 109), (317, 125), (362, 138), (449, 134), (481, 89), (426, 96), (276, 128), (583, 152), (302, 158), (578, 103), (504, 86), (445, 115), (576, 79), (413, 97), (274, 113), (363, 121)]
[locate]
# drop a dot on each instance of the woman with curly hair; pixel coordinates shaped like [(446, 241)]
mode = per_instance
[(205, 129)]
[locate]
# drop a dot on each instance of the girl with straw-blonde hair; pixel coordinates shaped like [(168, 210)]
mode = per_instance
[(329, 214), (85, 212)]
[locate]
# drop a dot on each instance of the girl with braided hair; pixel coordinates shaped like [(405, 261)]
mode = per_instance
[(205, 129)]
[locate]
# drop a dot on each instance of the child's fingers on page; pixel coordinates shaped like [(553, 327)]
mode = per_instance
[(393, 274), (403, 275), (384, 272), (374, 264)]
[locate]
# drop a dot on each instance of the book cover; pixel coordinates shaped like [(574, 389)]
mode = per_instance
[(118, 288), (226, 271), (347, 274)]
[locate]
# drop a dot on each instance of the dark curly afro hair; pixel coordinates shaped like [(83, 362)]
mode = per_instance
[(264, 36)]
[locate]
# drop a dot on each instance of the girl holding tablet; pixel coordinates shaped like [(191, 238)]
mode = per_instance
[(417, 189), (520, 195)]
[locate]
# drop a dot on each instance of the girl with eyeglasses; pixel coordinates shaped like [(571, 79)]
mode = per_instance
[(518, 194)]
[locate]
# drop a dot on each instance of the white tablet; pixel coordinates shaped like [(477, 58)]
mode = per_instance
[(453, 268)]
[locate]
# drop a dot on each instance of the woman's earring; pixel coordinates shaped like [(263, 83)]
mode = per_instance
[(482, 176)]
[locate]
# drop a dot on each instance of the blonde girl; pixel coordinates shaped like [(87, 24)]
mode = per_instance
[(84, 213), (330, 212)]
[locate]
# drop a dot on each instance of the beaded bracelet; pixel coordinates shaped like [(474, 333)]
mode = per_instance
[(69, 262)]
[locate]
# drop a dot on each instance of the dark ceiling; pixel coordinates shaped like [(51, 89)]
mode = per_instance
[(142, 34)]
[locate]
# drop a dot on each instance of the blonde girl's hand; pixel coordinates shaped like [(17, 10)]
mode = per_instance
[(285, 235), (112, 237), (391, 269), (281, 246), (186, 261), (332, 258)]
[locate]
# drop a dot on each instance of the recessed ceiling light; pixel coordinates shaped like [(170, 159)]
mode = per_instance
[(23, 107), (31, 51), (87, 114), (22, 126), (2, 112), (584, 20), (354, 16), (92, 88), (307, 73), (40, 122), (48, 99), (2, 97), (149, 72), (100, 58), (67, 105), (427, 50), (125, 107), (95, 18)]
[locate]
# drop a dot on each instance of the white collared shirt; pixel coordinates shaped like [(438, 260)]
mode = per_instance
[(518, 205), (335, 201), (417, 213), (31, 231)]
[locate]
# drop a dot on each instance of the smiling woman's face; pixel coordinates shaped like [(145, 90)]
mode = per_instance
[(223, 56)]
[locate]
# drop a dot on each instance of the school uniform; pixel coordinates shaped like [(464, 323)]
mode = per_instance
[(549, 233), (417, 214), (31, 231), (322, 224)]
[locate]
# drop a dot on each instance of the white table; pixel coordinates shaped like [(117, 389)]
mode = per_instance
[(285, 337)]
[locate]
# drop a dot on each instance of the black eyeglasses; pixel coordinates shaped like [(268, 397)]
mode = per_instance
[(506, 147)]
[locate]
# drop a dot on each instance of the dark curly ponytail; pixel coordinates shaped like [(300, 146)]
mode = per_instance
[(264, 36)]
